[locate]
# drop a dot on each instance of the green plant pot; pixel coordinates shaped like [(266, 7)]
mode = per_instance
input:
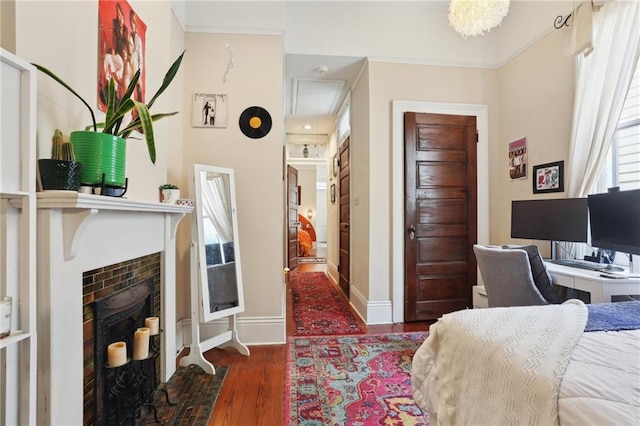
[(60, 174), (100, 153)]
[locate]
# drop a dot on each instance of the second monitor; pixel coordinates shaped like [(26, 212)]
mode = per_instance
[(563, 219)]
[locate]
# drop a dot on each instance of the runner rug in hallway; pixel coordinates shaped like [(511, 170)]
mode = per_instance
[(318, 308), (352, 380)]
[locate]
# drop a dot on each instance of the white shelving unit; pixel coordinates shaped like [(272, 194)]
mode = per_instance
[(18, 374)]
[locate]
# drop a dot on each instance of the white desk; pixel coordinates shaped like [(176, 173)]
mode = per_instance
[(600, 288)]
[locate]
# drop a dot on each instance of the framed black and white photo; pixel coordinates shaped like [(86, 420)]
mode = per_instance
[(209, 110), (548, 177)]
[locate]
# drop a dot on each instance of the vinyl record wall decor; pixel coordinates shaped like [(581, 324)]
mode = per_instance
[(255, 122)]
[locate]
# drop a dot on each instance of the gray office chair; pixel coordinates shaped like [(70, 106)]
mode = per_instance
[(508, 277)]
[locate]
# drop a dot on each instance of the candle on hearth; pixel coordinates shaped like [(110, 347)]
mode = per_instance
[(141, 343), (153, 324), (117, 354)]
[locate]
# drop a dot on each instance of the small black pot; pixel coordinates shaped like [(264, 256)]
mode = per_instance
[(60, 174)]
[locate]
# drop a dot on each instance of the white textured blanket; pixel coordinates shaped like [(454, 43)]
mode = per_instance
[(498, 366)]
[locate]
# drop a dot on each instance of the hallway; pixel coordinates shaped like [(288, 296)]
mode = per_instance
[(254, 389)]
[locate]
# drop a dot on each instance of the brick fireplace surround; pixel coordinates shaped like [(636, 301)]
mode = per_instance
[(77, 235), (97, 285)]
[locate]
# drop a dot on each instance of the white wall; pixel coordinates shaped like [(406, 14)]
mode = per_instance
[(8, 27), (359, 177), (410, 83), (255, 79), (307, 183), (177, 173), (69, 47), (536, 98), (320, 218), (332, 214), (402, 31), (66, 41), (530, 96)]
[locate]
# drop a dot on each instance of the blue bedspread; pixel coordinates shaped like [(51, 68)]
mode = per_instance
[(613, 316)]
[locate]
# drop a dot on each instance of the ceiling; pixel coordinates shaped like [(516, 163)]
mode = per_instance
[(326, 42), (315, 88)]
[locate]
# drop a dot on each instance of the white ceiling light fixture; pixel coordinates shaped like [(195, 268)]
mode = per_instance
[(475, 17), (307, 127)]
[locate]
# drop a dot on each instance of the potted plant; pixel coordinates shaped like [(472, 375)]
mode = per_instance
[(101, 147), (61, 171), (169, 193)]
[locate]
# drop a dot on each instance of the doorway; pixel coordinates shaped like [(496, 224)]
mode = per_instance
[(480, 112), (440, 214), (310, 217)]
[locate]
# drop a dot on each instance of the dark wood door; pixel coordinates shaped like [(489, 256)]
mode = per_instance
[(440, 214), (345, 216), (292, 217)]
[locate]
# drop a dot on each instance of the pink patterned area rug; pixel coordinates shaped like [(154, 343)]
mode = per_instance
[(318, 308), (352, 380)]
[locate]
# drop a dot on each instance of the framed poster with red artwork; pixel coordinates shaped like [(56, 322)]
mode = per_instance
[(121, 49)]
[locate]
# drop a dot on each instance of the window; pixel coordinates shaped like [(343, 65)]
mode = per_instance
[(622, 167), (344, 120)]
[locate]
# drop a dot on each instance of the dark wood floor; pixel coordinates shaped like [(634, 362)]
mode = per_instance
[(254, 389)]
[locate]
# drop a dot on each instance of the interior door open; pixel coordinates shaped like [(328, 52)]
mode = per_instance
[(292, 217), (440, 214), (345, 218)]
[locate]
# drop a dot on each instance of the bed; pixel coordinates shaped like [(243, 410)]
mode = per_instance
[(568, 364)]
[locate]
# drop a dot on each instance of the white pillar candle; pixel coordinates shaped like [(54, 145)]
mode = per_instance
[(153, 324), (117, 354), (141, 343)]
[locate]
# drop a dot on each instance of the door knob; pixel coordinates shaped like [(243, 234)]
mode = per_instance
[(412, 232)]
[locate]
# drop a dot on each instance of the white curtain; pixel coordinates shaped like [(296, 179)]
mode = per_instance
[(602, 82), (218, 206)]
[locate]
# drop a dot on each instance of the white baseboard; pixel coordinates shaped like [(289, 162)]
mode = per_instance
[(378, 312), (251, 331)]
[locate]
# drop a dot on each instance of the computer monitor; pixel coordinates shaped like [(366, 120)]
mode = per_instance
[(615, 220), (558, 219)]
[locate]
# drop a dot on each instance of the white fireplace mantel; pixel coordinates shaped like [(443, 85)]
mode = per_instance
[(78, 233)]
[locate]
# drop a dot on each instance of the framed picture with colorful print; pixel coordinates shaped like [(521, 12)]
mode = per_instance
[(548, 177), (121, 50)]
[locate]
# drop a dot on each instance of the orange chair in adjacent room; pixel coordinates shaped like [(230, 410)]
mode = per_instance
[(304, 239)]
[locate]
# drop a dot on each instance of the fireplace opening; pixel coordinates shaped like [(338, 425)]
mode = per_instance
[(98, 284), (120, 391)]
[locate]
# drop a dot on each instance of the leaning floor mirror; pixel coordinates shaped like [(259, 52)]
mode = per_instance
[(216, 273)]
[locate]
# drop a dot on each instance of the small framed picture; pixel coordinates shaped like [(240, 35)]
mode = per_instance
[(518, 159), (335, 164), (548, 177), (209, 110), (333, 193)]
